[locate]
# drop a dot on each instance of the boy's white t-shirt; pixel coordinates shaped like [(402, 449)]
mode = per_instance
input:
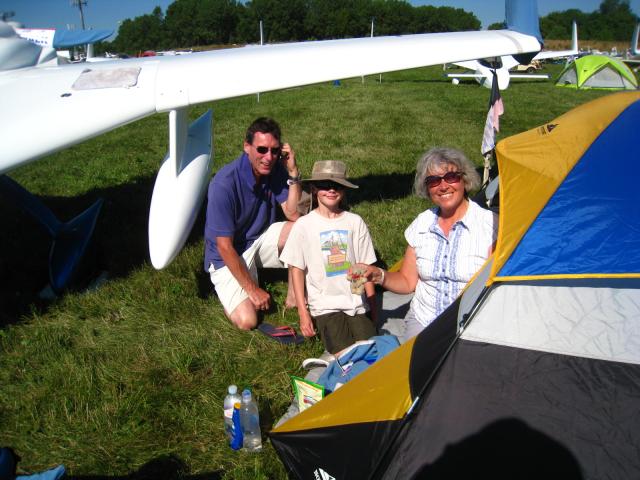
[(325, 248)]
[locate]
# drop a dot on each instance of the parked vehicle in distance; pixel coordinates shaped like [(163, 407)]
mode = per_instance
[(528, 68)]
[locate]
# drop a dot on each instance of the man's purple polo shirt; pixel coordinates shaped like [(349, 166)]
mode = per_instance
[(239, 208)]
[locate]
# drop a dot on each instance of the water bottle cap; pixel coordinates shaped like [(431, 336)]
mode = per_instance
[(232, 389), (246, 394), (237, 405)]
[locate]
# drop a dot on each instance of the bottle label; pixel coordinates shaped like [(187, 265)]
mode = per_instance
[(228, 413)]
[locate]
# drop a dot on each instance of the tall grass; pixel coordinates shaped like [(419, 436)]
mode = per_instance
[(128, 378)]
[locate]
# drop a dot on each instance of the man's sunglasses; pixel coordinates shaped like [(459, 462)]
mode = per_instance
[(449, 177), (263, 150), (328, 186)]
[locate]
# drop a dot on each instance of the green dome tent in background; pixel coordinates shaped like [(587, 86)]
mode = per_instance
[(597, 71)]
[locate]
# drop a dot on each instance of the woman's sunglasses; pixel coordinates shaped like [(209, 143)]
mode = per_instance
[(263, 150), (449, 177), (328, 186)]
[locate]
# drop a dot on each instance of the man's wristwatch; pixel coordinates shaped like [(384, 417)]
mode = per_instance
[(293, 180)]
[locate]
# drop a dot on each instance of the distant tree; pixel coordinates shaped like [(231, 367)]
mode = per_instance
[(393, 17), (179, 22), (614, 20), (557, 25), (328, 19), (142, 33), (443, 19), (215, 21), (496, 26), (201, 22), (283, 20), (190, 23)]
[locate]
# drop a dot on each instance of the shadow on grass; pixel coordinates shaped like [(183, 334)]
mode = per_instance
[(374, 188), (167, 467), (119, 244), (120, 241)]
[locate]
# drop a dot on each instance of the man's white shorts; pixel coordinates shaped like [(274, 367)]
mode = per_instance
[(263, 253)]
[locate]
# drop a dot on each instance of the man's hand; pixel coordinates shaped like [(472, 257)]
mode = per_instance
[(289, 160), (259, 297)]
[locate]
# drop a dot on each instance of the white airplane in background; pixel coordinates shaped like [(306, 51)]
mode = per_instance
[(634, 59), (483, 69), (51, 40), (76, 102)]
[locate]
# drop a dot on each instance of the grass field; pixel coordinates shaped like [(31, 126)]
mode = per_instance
[(128, 379)]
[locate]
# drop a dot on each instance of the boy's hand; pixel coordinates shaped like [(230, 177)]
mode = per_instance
[(306, 324)]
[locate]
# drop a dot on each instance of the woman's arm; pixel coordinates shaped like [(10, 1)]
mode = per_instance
[(403, 281)]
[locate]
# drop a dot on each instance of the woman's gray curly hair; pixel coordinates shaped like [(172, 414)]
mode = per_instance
[(438, 157)]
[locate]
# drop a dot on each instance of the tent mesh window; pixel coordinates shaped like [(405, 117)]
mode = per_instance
[(605, 78), (568, 77)]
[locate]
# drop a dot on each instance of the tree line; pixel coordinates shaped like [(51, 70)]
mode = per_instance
[(193, 23), (613, 21)]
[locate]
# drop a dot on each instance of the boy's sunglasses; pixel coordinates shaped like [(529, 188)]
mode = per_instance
[(264, 150), (328, 185), (449, 177)]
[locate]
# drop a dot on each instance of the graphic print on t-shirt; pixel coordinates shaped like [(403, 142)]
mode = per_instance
[(334, 252)]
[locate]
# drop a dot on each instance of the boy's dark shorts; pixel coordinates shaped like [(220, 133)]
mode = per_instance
[(339, 330)]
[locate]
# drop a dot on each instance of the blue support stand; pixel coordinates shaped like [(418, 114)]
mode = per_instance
[(70, 239)]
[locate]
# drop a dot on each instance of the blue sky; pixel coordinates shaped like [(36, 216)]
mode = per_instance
[(99, 14)]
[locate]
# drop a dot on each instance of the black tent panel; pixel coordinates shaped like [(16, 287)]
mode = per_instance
[(430, 347), (343, 452), (501, 412)]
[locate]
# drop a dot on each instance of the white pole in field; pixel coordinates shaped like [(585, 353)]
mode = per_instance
[(371, 37), (261, 43), (372, 20)]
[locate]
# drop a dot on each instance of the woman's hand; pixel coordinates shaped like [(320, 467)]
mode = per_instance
[(371, 273)]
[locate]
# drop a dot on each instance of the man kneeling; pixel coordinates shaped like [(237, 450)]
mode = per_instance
[(241, 234)]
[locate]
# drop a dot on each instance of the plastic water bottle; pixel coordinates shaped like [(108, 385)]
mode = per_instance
[(232, 398), (252, 440)]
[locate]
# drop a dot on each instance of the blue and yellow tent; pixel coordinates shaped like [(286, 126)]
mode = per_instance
[(534, 371)]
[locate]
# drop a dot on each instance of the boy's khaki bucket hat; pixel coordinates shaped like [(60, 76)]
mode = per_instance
[(333, 170)]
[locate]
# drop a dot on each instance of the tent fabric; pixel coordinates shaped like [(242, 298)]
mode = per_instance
[(592, 318), (542, 159), (358, 413), (534, 371), (597, 71), (502, 413)]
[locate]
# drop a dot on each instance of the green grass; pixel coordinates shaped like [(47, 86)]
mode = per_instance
[(129, 378)]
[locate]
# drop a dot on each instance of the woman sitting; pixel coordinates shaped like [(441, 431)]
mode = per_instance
[(447, 244)]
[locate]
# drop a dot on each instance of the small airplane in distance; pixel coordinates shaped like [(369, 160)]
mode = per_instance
[(634, 59), (80, 101), (483, 68), (51, 40)]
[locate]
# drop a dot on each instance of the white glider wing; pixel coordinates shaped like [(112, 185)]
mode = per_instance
[(46, 109)]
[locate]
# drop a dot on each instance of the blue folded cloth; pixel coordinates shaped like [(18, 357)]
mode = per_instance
[(355, 359), (51, 474)]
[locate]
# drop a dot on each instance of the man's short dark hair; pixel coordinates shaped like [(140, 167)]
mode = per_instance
[(263, 125)]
